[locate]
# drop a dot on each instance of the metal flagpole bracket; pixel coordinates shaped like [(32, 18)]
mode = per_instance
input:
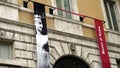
[(104, 22), (51, 9), (25, 3)]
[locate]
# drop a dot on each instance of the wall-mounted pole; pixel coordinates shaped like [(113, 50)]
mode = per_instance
[(53, 8)]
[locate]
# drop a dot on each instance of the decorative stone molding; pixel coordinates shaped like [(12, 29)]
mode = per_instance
[(9, 4)]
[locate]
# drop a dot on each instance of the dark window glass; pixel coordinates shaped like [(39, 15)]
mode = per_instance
[(118, 63)]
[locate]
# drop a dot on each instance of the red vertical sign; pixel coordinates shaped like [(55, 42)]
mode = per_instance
[(102, 44)]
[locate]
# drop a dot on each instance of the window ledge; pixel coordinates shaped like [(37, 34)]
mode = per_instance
[(26, 9), (71, 21), (7, 21), (112, 31), (9, 4), (12, 62)]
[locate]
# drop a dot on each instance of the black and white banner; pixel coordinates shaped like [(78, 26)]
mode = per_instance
[(43, 60)]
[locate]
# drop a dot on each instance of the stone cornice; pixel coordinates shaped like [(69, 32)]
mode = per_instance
[(79, 37), (51, 31), (16, 23), (16, 27), (70, 35), (9, 4)]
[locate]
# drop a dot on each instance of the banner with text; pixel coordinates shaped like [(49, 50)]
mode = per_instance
[(102, 44), (41, 36)]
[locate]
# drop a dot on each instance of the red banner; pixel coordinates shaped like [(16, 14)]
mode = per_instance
[(102, 44)]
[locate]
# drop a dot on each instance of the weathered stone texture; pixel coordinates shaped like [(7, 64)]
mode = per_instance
[(68, 26), (32, 64), (96, 65), (20, 45), (18, 53), (26, 55)]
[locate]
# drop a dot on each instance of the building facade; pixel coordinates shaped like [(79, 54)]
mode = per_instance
[(72, 43)]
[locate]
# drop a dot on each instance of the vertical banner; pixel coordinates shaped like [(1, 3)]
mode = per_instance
[(102, 44), (41, 36)]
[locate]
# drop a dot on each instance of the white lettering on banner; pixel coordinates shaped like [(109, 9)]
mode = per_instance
[(99, 30), (103, 51), (105, 61), (101, 39)]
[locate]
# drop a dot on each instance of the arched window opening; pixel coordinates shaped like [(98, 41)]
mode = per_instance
[(70, 62)]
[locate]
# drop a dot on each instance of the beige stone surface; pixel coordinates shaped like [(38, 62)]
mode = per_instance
[(18, 53), (68, 26), (26, 55), (12, 14), (20, 45), (32, 64), (31, 47), (58, 47)]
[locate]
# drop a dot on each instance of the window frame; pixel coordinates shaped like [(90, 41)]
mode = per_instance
[(112, 23), (73, 9), (118, 63), (62, 6)]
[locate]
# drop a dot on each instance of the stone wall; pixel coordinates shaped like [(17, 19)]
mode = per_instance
[(22, 37), (67, 37), (85, 48), (9, 10), (114, 36)]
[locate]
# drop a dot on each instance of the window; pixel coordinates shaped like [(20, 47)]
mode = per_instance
[(111, 14), (64, 4), (5, 50), (118, 63)]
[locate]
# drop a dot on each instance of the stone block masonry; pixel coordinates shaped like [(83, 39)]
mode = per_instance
[(22, 39)]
